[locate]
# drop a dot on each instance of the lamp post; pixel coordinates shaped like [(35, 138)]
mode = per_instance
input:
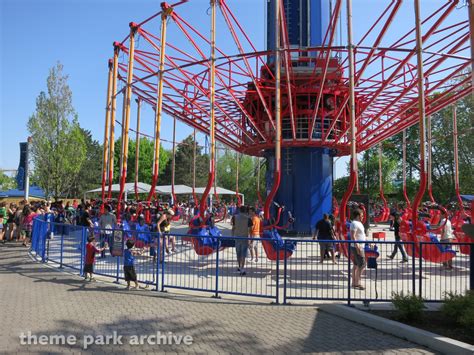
[(27, 169)]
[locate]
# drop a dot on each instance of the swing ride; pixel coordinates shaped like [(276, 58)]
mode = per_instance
[(298, 103)]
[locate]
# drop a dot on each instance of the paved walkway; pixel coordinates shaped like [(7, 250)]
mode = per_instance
[(45, 301)]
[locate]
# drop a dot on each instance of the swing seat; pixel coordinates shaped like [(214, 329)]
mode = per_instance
[(207, 241), (206, 244), (457, 223), (271, 241), (437, 252), (405, 236)]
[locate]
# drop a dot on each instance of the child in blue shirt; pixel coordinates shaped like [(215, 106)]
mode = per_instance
[(129, 264)]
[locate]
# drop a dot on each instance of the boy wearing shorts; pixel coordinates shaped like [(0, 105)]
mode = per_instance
[(129, 265), (91, 250), (254, 233)]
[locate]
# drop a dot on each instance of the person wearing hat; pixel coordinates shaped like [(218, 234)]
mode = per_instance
[(164, 226)]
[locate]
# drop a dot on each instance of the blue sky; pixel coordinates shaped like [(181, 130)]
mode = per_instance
[(35, 34)]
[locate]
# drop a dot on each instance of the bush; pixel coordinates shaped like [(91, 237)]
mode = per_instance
[(459, 308), (409, 307)]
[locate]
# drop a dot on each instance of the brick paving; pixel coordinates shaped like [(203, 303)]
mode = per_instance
[(46, 301)]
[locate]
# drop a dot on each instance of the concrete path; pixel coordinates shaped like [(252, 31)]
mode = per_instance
[(45, 301)]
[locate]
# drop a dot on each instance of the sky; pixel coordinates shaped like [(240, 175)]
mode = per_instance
[(36, 34)]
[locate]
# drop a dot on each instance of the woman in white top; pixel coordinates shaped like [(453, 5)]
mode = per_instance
[(447, 237), (357, 249)]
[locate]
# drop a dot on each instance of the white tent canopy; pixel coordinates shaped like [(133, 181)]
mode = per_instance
[(178, 190), (220, 191), (129, 187), (164, 189)]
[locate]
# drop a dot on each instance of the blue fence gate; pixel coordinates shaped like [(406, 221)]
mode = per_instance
[(306, 274)]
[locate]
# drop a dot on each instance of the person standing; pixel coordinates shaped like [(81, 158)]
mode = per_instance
[(107, 223), (241, 224), (164, 228), (129, 264), (357, 249), (10, 234), (324, 232), (398, 244), (89, 261), (447, 237), (27, 217), (254, 233)]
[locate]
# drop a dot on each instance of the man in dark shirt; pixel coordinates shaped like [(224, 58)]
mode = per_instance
[(398, 245), (324, 232)]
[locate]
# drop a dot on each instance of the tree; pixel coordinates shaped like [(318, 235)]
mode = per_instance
[(227, 171), (442, 157), (443, 152), (58, 147), (184, 165), (145, 161), (6, 182), (369, 173), (90, 174)]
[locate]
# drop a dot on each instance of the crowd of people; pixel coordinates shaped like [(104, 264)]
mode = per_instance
[(16, 221), (150, 225)]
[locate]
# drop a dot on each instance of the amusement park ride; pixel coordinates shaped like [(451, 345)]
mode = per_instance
[(303, 100)]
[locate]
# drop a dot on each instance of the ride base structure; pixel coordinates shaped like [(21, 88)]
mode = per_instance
[(302, 100)]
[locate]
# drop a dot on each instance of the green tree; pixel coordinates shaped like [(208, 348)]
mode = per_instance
[(6, 182), (184, 165), (58, 147), (227, 171), (339, 187), (90, 174), (369, 173), (443, 152), (442, 158), (145, 161)]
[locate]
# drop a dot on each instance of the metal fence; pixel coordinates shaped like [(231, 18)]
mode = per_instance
[(306, 275)]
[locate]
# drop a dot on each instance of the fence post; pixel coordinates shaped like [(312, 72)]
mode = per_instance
[(413, 272), (348, 273), (277, 285), (216, 294), (471, 264), (111, 247), (83, 249), (61, 252), (42, 240), (162, 264), (421, 268), (285, 268), (158, 257)]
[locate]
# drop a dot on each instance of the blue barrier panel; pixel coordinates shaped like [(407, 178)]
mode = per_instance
[(175, 261)]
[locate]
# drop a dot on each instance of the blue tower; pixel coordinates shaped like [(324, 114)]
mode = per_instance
[(307, 172)]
